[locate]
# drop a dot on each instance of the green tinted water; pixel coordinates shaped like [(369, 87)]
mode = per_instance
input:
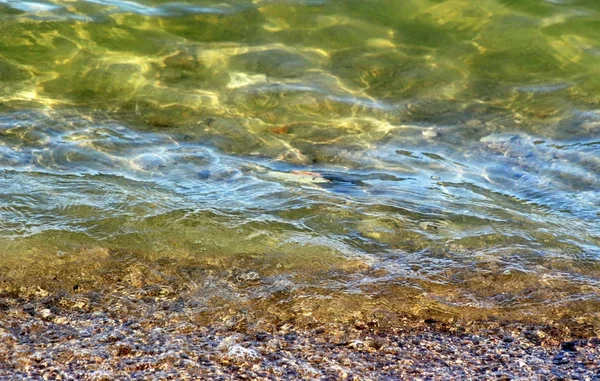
[(431, 157)]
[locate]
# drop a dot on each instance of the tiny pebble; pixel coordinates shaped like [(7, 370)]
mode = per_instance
[(430, 133)]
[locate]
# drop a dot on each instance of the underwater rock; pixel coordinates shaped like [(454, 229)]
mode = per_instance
[(149, 162), (273, 63), (12, 72), (182, 60)]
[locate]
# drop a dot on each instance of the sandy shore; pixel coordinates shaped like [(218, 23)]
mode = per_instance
[(77, 339)]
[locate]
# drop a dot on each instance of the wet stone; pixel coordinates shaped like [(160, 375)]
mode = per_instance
[(122, 349), (560, 359), (6, 337), (111, 337), (102, 375), (149, 162), (474, 123), (182, 60), (569, 346), (430, 133), (591, 126), (46, 314), (251, 276), (238, 353)]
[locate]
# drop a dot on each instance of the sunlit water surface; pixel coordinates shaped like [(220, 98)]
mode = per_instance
[(429, 157)]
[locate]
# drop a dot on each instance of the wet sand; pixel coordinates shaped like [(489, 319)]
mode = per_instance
[(95, 336)]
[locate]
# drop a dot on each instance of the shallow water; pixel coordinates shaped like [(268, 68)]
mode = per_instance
[(431, 157)]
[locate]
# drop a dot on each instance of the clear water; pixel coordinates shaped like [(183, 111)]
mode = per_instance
[(422, 156)]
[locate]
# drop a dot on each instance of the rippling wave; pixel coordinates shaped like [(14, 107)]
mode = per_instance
[(444, 158)]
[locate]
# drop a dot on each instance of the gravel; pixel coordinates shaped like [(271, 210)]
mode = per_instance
[(75, 339)]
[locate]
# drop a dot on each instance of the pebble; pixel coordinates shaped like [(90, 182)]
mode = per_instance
[(249, 276), (430, 133), (102, 344), (46, 314), (474, 123), (591, 126), (238, 352)]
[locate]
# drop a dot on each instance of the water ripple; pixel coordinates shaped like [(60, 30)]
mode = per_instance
[(444, 153)]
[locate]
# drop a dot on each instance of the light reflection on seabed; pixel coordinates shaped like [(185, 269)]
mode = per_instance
[(423, 157)]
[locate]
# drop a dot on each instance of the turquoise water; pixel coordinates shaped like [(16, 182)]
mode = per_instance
[(420, 155)]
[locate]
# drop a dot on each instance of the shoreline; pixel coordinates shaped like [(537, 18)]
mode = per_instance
[(82, 338), (104, 317)]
